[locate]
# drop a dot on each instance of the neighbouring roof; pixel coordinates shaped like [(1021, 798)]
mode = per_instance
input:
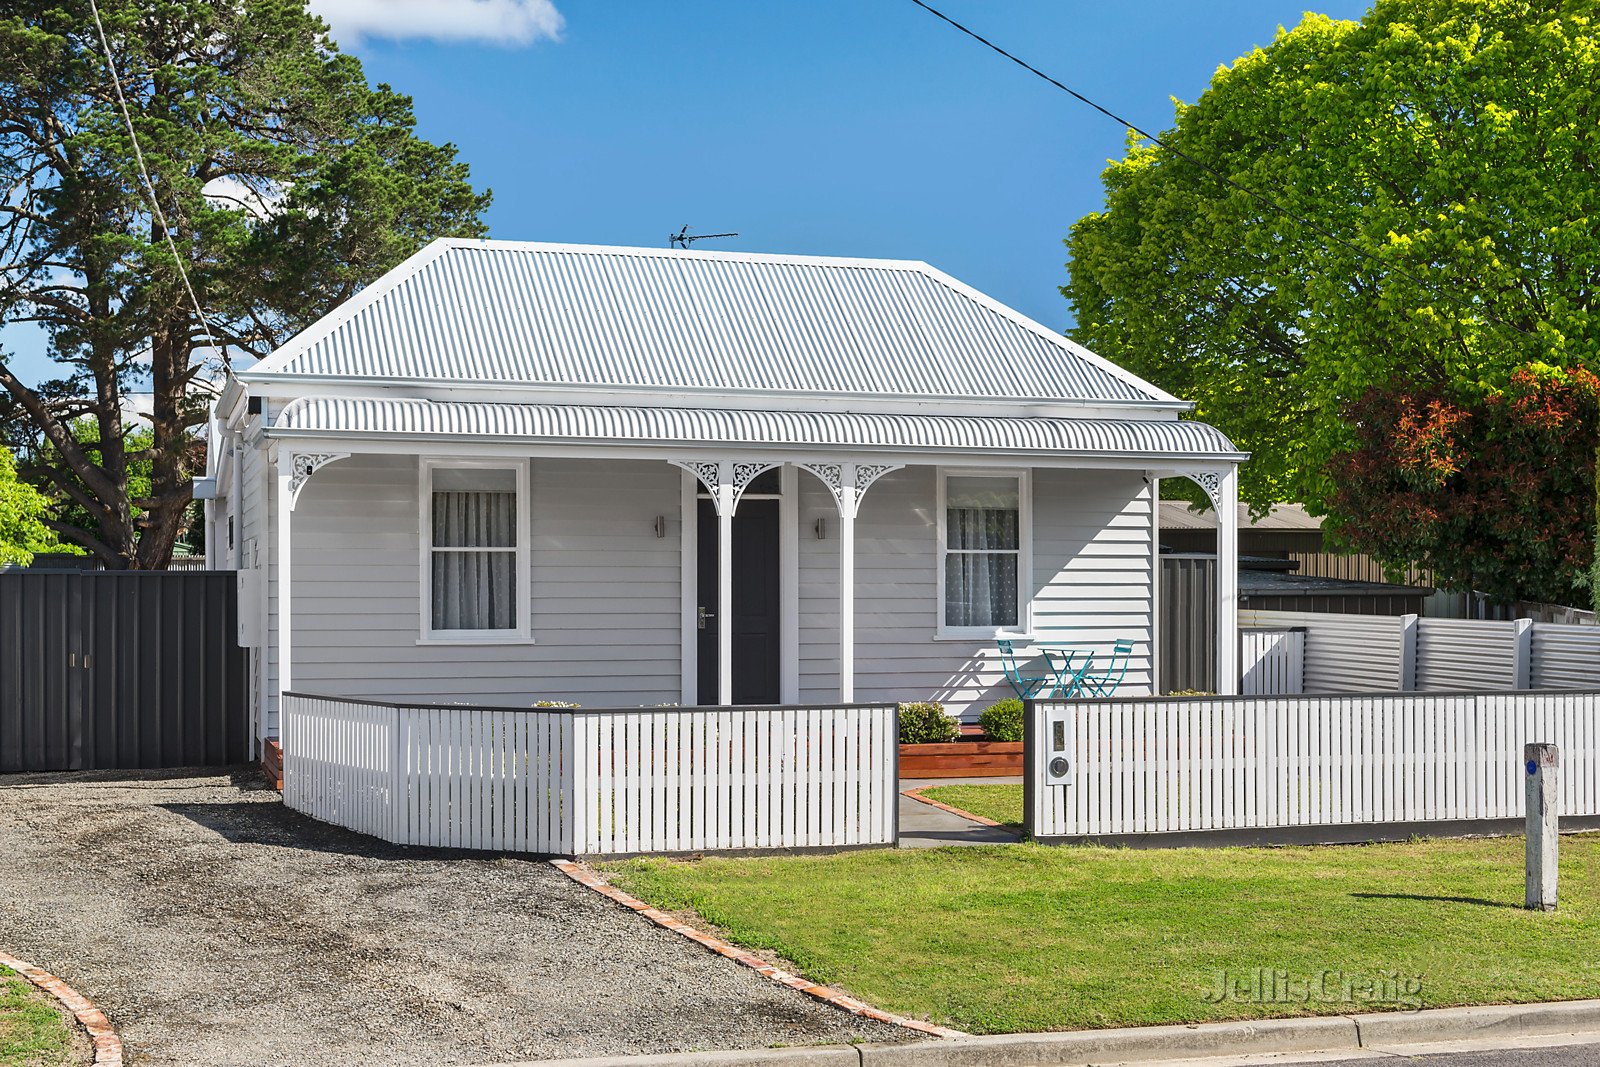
[(343, 417), (1178, 515), (590, 317), (1276, 583)]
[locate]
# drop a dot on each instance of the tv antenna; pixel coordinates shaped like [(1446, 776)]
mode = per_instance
[(683, 238)]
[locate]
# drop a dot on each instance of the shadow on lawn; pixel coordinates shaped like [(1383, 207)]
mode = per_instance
[(1479, 901)]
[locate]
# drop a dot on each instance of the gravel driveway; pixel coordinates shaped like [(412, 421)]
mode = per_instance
[(215, 926)]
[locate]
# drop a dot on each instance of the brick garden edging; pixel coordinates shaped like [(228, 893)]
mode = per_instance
[(588, 878), (107, 1045), (916, 794)]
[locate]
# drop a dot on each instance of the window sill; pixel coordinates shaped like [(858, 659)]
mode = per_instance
[(988, 636), (469, 641)]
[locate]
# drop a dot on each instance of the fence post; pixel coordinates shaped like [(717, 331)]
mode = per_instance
[(1522, 658), (1408, 653), (1030, 774), (1540, 763)]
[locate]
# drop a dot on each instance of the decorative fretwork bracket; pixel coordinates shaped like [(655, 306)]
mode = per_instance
[(734, 476), (1211, 482), (302, 465), (848, 481)]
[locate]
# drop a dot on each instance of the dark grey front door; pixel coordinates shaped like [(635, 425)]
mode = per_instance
[(756, 600)]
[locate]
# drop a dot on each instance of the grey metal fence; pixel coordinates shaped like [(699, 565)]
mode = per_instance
[(120, 670), (1188, 624)]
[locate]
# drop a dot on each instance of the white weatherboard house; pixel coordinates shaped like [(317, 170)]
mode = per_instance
[(510, 472)]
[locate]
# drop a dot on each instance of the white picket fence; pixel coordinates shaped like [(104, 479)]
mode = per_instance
[(1272, 661), (1239, 763), (1405, 653), (578, 782)]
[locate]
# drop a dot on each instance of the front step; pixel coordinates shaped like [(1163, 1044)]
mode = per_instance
[(272, 764)]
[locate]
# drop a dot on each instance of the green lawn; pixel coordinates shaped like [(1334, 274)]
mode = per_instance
[(32, 1031), (1002, 803), (1028, 937)]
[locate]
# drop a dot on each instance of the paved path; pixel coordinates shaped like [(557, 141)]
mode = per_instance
[(216, 927), (925, 826)]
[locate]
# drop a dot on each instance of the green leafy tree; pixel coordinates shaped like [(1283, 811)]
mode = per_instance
[(1452, 142), (136, 442), (285, 180), (1494, 491), (22, 511)]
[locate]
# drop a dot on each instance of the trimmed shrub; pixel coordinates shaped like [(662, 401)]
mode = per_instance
[(555, 704), (1188, 693), (1003, 721), (927, 723)]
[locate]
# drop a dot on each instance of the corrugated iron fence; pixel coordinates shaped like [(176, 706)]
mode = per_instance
[(1374, 654), (120, 670)]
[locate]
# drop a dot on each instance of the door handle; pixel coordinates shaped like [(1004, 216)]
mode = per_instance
[(704, 615)]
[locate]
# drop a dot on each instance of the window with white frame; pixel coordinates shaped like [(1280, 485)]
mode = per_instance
[(984, 531), (474, 540)]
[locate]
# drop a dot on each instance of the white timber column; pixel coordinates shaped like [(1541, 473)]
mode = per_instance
[(724, 496), (1227, 502), (848, 500), (848, 482), (294, 469), (286, 493)]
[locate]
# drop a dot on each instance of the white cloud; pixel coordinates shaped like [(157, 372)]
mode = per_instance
[(502, 22), (229, 192)]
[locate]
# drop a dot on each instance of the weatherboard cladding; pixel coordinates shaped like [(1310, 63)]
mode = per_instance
[(341, 416), (546, 315)]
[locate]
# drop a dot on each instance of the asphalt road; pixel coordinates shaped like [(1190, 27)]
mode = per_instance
[(1532, 1055)]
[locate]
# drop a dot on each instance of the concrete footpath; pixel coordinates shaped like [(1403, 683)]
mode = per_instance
[(925, 826), (1323, 1037)]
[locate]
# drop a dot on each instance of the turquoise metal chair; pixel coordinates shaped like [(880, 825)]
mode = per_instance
[(1105, 683), (1026, 686)]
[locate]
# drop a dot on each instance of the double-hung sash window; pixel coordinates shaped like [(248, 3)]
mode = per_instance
[(475, 543), (985, 554)]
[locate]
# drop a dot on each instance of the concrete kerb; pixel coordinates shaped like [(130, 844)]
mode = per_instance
[(1466, 1024), (1330, 1033)]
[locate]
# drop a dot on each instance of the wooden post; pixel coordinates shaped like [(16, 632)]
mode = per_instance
[(847, 597), (724, 588), (1539, 763), (1227, 682)]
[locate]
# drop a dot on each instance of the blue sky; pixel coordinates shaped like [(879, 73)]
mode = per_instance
[(835, 127)]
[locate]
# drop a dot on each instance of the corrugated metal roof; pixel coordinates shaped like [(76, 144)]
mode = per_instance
[(532, 314), (361, 417), (1179, 515)]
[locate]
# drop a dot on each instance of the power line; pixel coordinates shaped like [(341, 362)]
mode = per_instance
[(1265, 201), (155, 204)]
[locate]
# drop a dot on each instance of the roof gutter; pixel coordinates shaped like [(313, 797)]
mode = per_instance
[(533, 390)]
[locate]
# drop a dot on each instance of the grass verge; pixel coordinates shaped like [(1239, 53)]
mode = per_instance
[(1002, 802), (1025, 937), (33, 1032)]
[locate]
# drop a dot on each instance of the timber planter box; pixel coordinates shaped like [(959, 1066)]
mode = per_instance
[(961, 759)]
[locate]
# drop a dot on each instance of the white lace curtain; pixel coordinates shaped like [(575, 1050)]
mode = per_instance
[(982, 547), (474, 559)]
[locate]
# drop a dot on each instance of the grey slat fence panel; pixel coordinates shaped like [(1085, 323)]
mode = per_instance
[(1188, 624), (1458, 654), (1566, 656), (120, 670)]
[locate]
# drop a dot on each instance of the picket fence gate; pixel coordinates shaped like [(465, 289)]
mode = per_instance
[(564, 781), (1342, 767)]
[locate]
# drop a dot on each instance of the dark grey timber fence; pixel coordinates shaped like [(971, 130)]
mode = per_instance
[(1188, 624), (120, 670)]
